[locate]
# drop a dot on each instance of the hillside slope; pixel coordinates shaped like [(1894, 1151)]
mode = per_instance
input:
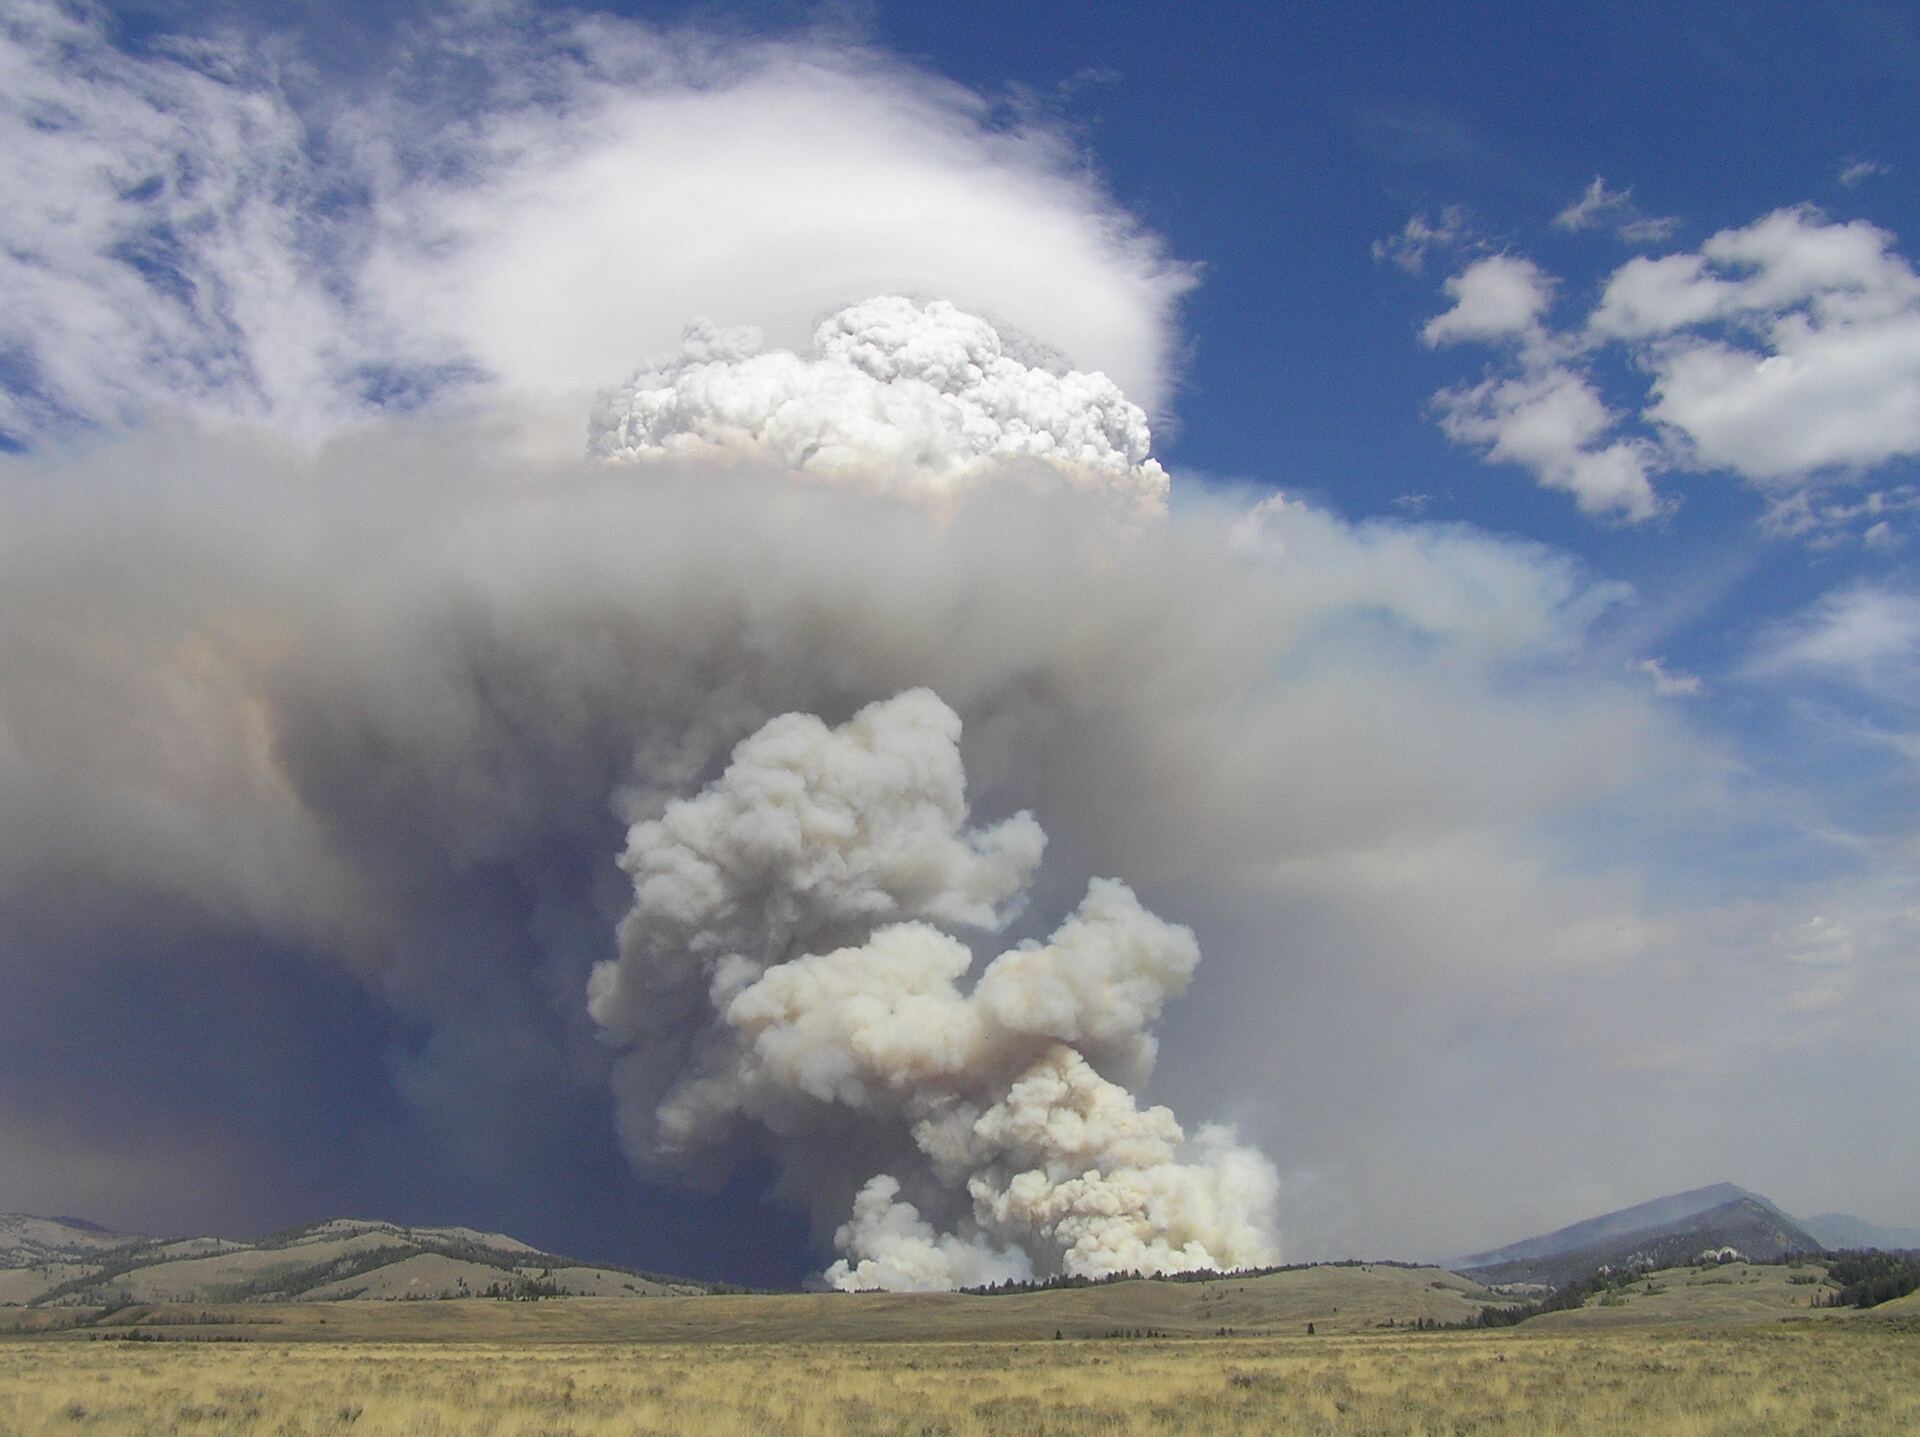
[(57, 1263), (1335, 1299), (1726, 1294), (27, 1241)]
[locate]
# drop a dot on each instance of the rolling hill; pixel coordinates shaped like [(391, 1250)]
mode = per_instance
[(1336, 1299), (50, 1264), (58, 1262), (1339, 1300), (27, 1240)]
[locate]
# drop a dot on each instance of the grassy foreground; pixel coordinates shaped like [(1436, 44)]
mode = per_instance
[(1856, 1377)]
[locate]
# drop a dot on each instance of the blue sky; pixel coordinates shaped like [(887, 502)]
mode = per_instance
[(1281, 156), (1557, 371)]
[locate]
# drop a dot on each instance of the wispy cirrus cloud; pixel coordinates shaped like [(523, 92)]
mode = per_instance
[(1425, 235), (1856, 172), (1866, 635), (1601, 208), (1668, 682), (192, 230)]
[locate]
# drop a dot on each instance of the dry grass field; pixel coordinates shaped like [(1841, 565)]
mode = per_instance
[(1737, 1292), (1855, 1377), (1696, 1352)]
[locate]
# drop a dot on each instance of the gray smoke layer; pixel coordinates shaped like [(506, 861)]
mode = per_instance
[(786, 963), (400, 704)]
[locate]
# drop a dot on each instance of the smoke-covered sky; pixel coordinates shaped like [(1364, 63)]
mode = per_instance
[(798, 644)]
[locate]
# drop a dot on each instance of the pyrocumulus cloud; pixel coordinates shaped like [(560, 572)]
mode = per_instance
[(892, 393)]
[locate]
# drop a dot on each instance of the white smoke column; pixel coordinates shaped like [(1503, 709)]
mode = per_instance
[(812, 835), (786, 967), (893, 394)]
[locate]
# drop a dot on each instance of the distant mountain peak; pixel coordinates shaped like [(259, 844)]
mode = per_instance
[(1718, 1193), (1661, 1230), (1652, 1213), (1838, 1230)]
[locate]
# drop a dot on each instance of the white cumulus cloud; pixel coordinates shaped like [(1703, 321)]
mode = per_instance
[(1786, 352), (1552, 421), (1500, 297), (1782, 349)]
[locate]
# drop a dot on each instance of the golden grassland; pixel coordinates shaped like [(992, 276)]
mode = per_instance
[(1701, 1352), (1854, 1376), (1735, 1292)]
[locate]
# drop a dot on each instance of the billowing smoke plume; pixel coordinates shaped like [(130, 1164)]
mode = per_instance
[(894, 394), (390, 711), (787, 966)]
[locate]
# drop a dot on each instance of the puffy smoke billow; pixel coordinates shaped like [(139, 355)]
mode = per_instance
[(896, 394), (786, 966)]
